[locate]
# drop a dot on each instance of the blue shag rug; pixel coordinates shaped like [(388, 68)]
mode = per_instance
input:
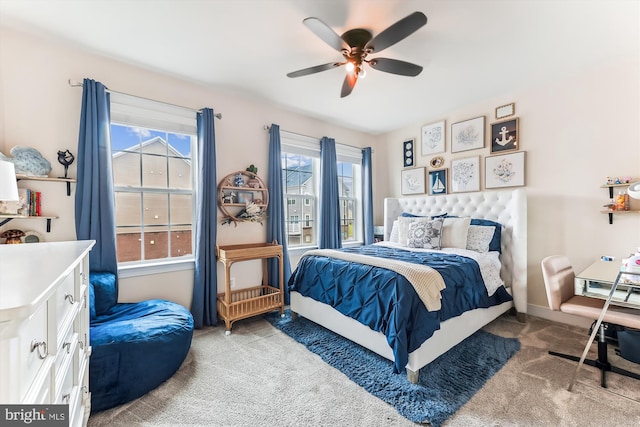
[(443, 387)]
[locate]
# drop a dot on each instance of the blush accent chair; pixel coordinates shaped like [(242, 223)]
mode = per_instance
[(135, 346), (559, 283)]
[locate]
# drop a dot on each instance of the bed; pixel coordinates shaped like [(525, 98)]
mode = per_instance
[(506, 207)]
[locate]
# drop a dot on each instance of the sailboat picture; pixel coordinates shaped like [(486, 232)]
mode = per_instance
[(438, 182)]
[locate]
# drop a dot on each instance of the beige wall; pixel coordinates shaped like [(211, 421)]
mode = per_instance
[(576, 129)]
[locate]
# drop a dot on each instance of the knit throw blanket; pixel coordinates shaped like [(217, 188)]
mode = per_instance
[(426, 281)]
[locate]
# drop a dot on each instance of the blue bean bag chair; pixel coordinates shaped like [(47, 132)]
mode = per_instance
[(135, 346)]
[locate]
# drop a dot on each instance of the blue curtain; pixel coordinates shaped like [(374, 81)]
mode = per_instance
[(205, 282), (367, 195), (94, 204), (330, 236), (276, 211)]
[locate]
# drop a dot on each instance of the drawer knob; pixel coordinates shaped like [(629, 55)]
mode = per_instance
[(70, 298), (41, 347), (66, 398)]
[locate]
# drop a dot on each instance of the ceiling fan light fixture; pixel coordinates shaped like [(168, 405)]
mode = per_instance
[(362, 73), (350, 66)]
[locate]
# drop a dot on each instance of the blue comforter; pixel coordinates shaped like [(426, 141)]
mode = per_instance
[(385, 301)]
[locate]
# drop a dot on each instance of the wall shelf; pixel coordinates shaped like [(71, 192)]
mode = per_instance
[(617, 212), (236, 190)]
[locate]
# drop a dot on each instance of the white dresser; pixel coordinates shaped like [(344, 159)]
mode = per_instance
[(44, 326)]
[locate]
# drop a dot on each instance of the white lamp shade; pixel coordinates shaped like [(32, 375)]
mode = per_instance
[(634, 190), (8, 183)]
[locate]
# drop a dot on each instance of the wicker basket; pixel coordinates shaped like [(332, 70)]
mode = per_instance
[(249, 302)]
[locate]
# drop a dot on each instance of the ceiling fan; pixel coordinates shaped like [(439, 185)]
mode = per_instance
[(357, 44)]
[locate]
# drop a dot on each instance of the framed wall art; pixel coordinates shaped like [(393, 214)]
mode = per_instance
[(413, 181), (504, 136), (465, 174), (408, 148), (506, 170), (467, 135), (433, 138), (437, 182), (505, 111)]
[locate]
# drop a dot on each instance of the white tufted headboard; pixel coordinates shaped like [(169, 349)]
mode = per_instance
[(508, 207)]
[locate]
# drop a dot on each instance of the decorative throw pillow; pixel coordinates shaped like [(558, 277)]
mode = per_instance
[(403, 229), (496, 242), (479, 238), (454, 232), (425, 234)]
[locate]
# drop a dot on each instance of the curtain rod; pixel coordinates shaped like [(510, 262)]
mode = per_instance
[(267, 127), (79, 84)]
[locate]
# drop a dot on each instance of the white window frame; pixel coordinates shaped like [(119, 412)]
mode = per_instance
[(129, 110), (308, 146)]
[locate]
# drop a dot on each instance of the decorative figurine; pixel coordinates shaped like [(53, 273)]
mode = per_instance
[(238, 180), (65, 158), (12, 236)]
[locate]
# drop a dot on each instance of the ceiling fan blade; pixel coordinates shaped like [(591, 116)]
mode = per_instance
[(348, 84), (395, 66), (316, 69), (326, 33), (397, 32)]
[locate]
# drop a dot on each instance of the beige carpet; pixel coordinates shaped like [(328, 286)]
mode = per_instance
[(258, 376)]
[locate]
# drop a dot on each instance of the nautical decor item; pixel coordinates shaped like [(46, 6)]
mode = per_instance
[(65, 158), (28, 161)]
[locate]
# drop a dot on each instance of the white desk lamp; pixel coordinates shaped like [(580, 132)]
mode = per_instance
[(8, 183), (634, 190)]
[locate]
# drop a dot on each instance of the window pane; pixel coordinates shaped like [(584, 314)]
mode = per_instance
[(126, 169), (128, 209), (180, 213), (156, 243), (154, 171), (179, 173), (179, 145), (128, 244), (156, 209), (181, 241)]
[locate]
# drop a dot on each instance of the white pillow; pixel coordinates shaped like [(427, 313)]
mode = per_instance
[(479, 237), (395, 231), (454, 233)]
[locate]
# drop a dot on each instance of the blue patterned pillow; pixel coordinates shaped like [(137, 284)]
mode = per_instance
[(425, 234)]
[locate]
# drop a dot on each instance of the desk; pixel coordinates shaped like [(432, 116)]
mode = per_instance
[(596, 282), (597, 276)]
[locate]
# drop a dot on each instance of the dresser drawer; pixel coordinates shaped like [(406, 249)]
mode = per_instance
[(33, 348), (65, 300)]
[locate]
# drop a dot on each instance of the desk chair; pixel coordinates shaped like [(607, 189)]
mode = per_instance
[(559, 283)]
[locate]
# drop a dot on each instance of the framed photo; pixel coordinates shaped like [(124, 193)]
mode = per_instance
[(506, 170), (433, 138), (465, 174), (413, 181), (504, 136), (244, 197), (438, 182), (467, 135), (408, 149), (505, 111)]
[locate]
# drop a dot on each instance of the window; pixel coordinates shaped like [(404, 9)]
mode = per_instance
[(300, 182), (153, 181)]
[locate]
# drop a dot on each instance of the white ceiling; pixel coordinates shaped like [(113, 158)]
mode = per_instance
[(471, 50)]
